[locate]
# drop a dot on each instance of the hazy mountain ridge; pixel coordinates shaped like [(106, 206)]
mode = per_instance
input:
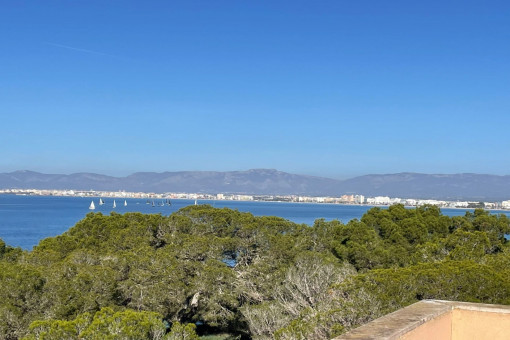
[(465, 186), (437, 186)]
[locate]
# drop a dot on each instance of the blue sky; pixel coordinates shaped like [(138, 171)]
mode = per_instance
[(328, 88)]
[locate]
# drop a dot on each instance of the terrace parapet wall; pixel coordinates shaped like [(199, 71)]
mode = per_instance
[(439, 320)]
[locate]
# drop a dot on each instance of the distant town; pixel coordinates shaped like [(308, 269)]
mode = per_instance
[(344, 199)]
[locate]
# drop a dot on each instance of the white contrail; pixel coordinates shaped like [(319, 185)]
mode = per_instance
[(80, 49)]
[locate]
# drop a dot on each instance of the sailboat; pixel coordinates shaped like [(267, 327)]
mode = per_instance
[(195, 201), (92, 206), (125, 203), (153, 204), (114, 205), (101, 202)]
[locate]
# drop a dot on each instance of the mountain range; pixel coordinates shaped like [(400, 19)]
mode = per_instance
[(465, 186)]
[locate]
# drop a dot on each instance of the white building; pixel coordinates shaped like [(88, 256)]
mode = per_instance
[(382, 200), (461, 204), (432, 202), (379, 200), (411, 202)]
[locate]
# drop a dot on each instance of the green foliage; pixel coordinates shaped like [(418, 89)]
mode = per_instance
[(58, 329), (300, 307), (2, 248), (392, 289), (20, 298), (105, 324), (182, 332), (311, 325), (10, 254), (131, 276)]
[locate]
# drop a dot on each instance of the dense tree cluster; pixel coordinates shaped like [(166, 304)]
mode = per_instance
[(204, 270)]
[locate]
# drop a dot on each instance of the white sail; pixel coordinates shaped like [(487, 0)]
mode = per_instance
[(92, 206), (101, 202), (125, 203), (114, 205)]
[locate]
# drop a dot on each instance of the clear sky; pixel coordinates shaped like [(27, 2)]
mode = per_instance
[(329, 88)]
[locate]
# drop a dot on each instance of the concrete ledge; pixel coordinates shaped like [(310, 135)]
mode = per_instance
[(436, 319)]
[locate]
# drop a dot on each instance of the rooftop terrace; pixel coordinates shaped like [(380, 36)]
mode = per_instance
[(440, 320)]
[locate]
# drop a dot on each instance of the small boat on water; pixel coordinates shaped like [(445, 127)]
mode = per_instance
[(101, 202), (92, 206), (153, 204), (125, 203), (114, 205)]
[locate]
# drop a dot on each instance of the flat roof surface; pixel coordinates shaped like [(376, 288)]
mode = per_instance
[(406, 320)]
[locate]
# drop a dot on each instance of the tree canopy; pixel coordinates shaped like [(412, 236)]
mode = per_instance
[(204, 270)]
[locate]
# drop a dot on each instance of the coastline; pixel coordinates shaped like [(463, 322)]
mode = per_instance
[(200, 197)]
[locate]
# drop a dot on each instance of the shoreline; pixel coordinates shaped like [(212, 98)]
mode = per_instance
[(169, 196)]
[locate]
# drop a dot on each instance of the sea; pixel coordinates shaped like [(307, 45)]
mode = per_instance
[(26, 220)]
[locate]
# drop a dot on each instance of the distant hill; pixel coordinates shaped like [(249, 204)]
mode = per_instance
[(272, 182), (258, 181), (475, 187)]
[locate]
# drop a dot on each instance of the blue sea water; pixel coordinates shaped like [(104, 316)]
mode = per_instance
[(25, 220)]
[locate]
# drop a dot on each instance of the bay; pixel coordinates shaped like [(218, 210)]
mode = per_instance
[(26, 220)]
